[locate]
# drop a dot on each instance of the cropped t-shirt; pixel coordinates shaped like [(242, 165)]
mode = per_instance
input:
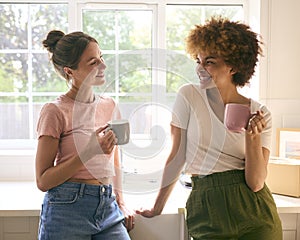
[(73, 122), (211, 147)]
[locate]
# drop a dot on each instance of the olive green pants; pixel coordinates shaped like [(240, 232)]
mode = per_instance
[(221, 206)]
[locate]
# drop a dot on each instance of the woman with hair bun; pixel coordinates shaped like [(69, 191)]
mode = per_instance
[(229, 197), (77, 161)]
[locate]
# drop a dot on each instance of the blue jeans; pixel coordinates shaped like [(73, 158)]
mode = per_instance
[(77, 211)]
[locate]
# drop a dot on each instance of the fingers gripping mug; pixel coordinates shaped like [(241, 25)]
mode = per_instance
[(237, 116), (121, 129)]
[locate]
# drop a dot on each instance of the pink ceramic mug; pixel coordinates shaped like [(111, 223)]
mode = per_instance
[(237, 116)]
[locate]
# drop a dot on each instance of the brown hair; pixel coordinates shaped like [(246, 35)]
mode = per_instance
[(66, 49), (234, 42)]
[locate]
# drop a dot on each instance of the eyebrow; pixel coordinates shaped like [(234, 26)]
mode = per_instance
[(208, 57), (93, 58)]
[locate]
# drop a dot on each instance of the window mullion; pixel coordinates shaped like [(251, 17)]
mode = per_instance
[(30, 74)]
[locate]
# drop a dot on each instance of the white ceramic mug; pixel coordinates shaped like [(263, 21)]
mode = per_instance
[(237, 116), (121, 129)]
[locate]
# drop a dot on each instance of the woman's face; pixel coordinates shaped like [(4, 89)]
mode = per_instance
[(91, 67), (216, 67)]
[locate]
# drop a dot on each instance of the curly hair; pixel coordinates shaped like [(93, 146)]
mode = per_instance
[(234, 42), (66, 49)]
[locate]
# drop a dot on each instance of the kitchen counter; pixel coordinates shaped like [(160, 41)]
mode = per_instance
[(20, 204), (24, 199)]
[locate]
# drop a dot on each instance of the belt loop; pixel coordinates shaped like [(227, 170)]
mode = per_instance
[(81, 190)]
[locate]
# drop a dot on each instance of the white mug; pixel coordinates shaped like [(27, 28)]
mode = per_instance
[(121, 129)]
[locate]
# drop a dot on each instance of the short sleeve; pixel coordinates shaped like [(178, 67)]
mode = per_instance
[(181, 109), (267, 132), (50, 121)]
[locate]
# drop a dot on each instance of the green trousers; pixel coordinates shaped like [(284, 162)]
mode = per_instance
[(222, 206)]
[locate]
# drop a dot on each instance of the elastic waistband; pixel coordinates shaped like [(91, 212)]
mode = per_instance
[(218, 179), (83, 188)]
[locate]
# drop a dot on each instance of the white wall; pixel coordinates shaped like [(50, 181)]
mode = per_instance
[(279, 74)]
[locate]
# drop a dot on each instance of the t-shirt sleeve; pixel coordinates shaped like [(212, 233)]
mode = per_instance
[(50, 121), (181, 109), (267, 132)]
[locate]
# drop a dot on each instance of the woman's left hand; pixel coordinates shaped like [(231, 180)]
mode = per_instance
[(256, 124), (129, 217)]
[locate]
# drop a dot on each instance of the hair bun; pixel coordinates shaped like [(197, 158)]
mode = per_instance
[(52, 38)]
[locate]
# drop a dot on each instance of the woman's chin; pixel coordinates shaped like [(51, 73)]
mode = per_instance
[(99, 81)]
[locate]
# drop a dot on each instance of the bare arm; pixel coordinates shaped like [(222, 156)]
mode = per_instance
[(48, 175), (172, 170), (257, 157), (117, 182)]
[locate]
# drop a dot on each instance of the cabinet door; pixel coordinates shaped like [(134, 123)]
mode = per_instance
[(18, 228), (289, 235)]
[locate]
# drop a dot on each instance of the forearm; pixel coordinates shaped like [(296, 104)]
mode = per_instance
[(117, 179), (56, 175), (163, 197), (255, 162), (172, 170)]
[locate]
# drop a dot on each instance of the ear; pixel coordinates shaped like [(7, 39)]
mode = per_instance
[(232, 71), (68, 71)]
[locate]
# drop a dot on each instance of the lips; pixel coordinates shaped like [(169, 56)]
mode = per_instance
[(101, 75)]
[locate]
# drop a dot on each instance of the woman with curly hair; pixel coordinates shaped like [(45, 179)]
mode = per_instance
[(229, 197)]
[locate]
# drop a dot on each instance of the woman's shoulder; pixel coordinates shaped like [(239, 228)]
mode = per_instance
[(106, 100), (189, 88)]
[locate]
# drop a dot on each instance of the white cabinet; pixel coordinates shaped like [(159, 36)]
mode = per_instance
[(18, 228)]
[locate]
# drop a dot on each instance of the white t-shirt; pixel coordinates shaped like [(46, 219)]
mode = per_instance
[(210, 146)]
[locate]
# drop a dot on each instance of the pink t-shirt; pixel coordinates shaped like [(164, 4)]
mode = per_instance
[(73, 122)]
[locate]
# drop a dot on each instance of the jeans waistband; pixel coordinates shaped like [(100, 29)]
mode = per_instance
[(83, 188), (218, 179)]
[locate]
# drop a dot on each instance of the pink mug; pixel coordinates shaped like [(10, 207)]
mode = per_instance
[(237, 116)]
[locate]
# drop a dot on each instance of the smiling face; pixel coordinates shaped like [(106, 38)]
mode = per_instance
[(216, 67), (91, 67)]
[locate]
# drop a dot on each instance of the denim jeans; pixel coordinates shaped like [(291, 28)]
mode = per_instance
[(77, 211)]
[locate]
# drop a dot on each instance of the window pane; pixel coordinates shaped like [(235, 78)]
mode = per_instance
[(181, 18), (43, 20), (13, 72), (119, 30), (13, 25), (180, 70), (45, 79), (14, 118), (135, 30), (135, 73)]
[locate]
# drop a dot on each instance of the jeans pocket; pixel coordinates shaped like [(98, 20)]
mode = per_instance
[(63, 197)]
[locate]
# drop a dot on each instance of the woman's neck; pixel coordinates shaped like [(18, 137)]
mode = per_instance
[(81, 94), (231, 95)]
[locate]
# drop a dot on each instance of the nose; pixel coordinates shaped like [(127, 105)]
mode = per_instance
[(102, 65)]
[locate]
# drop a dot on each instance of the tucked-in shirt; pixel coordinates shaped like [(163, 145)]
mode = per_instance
[(73, 122), (211, 147)]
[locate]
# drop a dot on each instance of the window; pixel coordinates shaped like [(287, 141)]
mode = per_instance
[(27, 79), (143, 46)]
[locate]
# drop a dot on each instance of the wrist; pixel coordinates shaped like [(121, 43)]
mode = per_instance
[(85, 155)]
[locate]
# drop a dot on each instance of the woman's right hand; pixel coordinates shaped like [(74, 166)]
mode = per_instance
[(106, 139), (102, 141), (148, 213)]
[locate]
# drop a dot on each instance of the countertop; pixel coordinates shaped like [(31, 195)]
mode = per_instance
[(24, 199)]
